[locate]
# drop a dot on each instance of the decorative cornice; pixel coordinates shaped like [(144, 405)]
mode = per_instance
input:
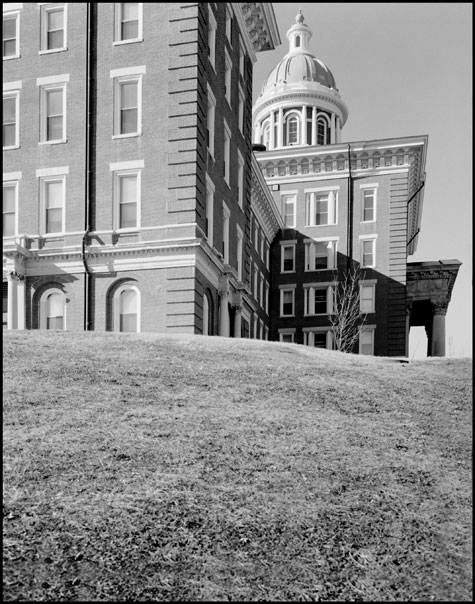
[(257, 20), (332, 97), (263, 202)]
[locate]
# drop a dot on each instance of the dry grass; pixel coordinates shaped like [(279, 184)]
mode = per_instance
[(148, 467)]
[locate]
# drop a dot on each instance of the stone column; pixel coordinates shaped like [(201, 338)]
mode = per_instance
[(332, 129), (12, 300), (21, 302), (237, 305), (408, 325), (314, 125), (438, 330), (304, 125), (272, 130), (280, 128), (224, 307), (257, 133), (338, 130)]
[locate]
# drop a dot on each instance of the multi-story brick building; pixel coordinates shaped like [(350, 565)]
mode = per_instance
[(345, 206), (127, 167), (133, 200)]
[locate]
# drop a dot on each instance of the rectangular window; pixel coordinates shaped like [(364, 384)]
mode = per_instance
[(53, 190), (211, 37), (53, 113), (286, 336), (127, 191), (11, 102), (242, 55), (227, 153), (368, 253), (10, 204), (318, 300), (128, 106), (288, 210), (266, 297), (240, 180), (320, 255), (288, 259), (210, 119), (256, 236), (367, 298), (128, 22), (322, 338), (256, 280), (241, 109), (366, 340), (240, 236), (321, 208), (11, 35), (53, 27), (229, 23), (287, 298), (369, 205), (228, 67), (226, 217), (209, 210)]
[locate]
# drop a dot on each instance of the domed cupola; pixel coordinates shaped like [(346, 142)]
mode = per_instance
[(299, 103)]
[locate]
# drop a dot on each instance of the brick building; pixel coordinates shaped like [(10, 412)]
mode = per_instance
[(345, 206), (127, 168)]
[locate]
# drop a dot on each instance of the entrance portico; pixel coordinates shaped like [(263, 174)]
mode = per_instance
[(429, 289)]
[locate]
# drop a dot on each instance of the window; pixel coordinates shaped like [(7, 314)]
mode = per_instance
[(11, 35), (288, 210), (256, 235), (209, 210), (322, 131), (241, 109), (366, 340), (52, 310), (53, 113), (287, 302), (5, 304), (128, 22), (127, 199), (368, 205), (318, 299), (11, 101), (228, 67), (227, 152), (320, 255), (256, 279), (321, 207), (126, 309), (367, 297), (288, 259), (318, 338), (128, 104), (368, 253), (10, 204), (240, 180), (292, 130), (210, 118), (240, 236), (286, 336), (211, 38), (265, 139), (242, 55), (52, 202), (53, 27), (226, 217), (229, 24), (207, 314), (266, 297)]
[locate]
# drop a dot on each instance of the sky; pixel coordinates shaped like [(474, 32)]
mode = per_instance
[(405, 69)]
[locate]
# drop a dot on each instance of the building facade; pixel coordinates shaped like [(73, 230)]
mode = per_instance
[(348, 208), (143, 192), (127, 168)]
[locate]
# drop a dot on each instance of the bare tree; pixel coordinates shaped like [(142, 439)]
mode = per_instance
[(347, 318)]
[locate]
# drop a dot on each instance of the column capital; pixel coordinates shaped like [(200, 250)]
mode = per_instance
[(236, 301), (14, 275), (439, 307)]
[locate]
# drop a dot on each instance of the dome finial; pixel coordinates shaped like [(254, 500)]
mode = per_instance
[(299, 18)]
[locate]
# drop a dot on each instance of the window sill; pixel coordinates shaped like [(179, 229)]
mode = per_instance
[(368, 221), (131, 231), (59, 142), (53, 236), (131, 41), (129, 135), (12, 57), (287, 316), (52, 50), (12, 147)]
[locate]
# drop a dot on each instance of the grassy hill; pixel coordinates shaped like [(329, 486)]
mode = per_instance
[(150, 467)]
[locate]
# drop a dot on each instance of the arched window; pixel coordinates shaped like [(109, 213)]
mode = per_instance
[(207, 314), (265, 138), (127, 309), (297, 41), (323, 131), (292, 130), (52, 310)]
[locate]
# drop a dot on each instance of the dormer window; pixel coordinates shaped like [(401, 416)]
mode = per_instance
[(297, 41), (292, 130)]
